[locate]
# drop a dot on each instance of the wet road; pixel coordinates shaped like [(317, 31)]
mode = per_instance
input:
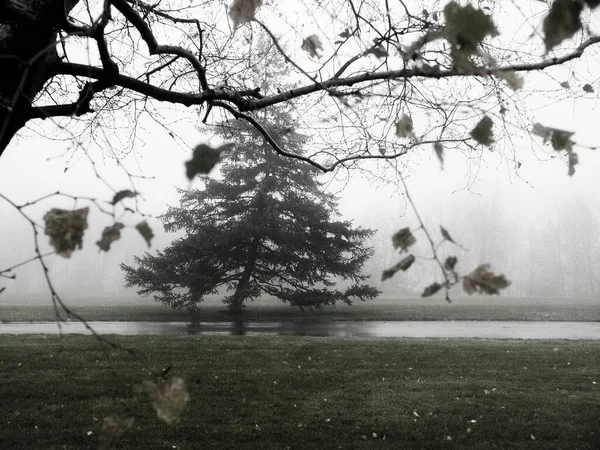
[(417, 329)]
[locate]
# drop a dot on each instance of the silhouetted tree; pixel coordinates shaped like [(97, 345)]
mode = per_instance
[(264, 226)]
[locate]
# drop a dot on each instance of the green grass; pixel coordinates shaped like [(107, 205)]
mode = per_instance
[(476, 308), (305, 393)]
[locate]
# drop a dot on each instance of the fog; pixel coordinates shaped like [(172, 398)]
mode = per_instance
[(533, 223)]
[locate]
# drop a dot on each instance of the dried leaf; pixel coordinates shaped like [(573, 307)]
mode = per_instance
[(109, 235), (168, 396), (112, 430), (439, 152), (481, 280), (66, 229), (431, 289), (562, 22), (345, 34), (403, 265), (204, 159), (467, 27), (123, 194), (145, 230), (514, 81), (561, 140), (483, 132), (450, 263), (573, 161), (403, 239), (565, 85), (404, 127), (311, 45), (540, 130), (243, 11), (446, 235), (588, 88)]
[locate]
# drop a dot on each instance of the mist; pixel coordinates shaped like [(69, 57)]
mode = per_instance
[(530, 221)]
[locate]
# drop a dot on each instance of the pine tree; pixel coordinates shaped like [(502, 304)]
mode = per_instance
[(264, 226)]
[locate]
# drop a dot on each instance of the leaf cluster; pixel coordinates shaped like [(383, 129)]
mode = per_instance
[(481, 280)]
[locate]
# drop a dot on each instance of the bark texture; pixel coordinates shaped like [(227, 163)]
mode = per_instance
[(28, 32)]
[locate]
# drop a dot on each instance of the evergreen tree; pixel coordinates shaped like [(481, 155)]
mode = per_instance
[(264, 226)]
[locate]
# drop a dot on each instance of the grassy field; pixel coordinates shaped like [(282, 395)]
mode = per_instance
[(305, 393), (470, 308)]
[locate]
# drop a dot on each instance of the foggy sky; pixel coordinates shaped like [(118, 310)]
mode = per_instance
[(461, 197)]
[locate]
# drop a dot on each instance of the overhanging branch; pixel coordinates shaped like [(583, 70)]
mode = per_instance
[(238, 102), (153, 46), (339, 161)]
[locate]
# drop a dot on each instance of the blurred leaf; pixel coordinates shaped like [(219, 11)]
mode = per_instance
[(404, 127), (204, 159), (403, 265), (450, 263), (592, 3), (378, 51), (560, 139), (483, 133), (243, 11), (403, 239), (345, 34), (446, 235), (565, 84), (112, 430), (467, 27), (481, 280), (145, 230), (562, 22), (573, 161), (514, 81), (386, 274), (311, 45), (168, 396), (66, 229), (542, 131), (109, 235), (431, 289), (588, 88), (439, 152), (123, 194)]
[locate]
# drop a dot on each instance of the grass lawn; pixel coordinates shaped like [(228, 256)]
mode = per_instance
[(305, 393), (471, 308)]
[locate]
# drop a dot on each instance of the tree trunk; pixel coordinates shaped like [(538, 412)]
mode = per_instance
[(28, 32), (236, 303)]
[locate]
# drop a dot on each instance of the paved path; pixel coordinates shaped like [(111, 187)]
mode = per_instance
[(420, 329)]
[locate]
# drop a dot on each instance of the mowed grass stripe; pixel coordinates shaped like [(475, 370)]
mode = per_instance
[(476, 308), (306, 393)]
